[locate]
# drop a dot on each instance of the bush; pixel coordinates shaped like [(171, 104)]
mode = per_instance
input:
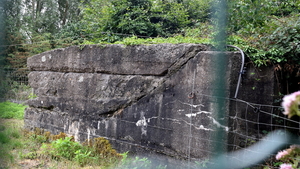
[(285, 39), (134, 17), (64, 148), (12, 110), (137, 162)]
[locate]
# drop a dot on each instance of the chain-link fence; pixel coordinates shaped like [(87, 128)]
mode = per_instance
[(14, 85)]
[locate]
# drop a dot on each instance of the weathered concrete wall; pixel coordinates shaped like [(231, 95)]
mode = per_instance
[(140, 97)]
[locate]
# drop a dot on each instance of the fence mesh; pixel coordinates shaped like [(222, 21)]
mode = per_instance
[(14, 85), (248, 123)]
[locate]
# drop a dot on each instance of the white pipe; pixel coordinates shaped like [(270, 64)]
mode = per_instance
[(241, 70)]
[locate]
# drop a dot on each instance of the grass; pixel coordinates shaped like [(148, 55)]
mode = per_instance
[(24, 149), (20, 148), (10, 141), (11, 110)]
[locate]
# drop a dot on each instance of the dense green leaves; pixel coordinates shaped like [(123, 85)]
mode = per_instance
[(135, 17), (269, 27), (131, 17), (32, 27), (267, 30), (11, 110), (248, 15), (286, 39)]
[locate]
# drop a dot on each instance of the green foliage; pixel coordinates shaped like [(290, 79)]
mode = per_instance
[(248, 15), (269, 29), (277, 164), (137, 162), (173, 40), (30, 155), (70, 34), (288, 156), (32, 96), (284, 40), (32, 27), (199, 11), (135, 17), (3, 138), (10, 140), (102, 148), (17, 91), (83, 156), (39, 138), (131, 17), (97, 151), (64, 148), (171, 16), (17, 144), (199, 31), (277, 44), (11, 110)]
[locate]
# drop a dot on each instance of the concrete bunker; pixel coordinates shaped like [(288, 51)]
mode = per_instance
[(143, 98)]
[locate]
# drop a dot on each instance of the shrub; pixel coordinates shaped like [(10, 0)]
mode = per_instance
[(12, 110), (63, 148)]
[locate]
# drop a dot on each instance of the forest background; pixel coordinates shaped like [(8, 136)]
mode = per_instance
[(268, 31)]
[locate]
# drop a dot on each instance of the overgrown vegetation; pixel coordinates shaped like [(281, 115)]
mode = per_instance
[(23, 149), (267, 30), (11, 110), (40, 149), (10, 139)]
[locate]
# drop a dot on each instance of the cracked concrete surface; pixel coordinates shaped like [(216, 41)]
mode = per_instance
[(135, 96)]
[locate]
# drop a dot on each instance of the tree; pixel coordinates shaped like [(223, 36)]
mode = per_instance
[(35, 25), (135, 17)]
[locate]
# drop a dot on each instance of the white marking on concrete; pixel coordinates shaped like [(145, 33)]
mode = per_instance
[(201, 127), (43, 58), (80, 79), (106, 124), (193, 105), (89, 132), (195, 114), (142, 123), (218, 124), (191, 115)]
